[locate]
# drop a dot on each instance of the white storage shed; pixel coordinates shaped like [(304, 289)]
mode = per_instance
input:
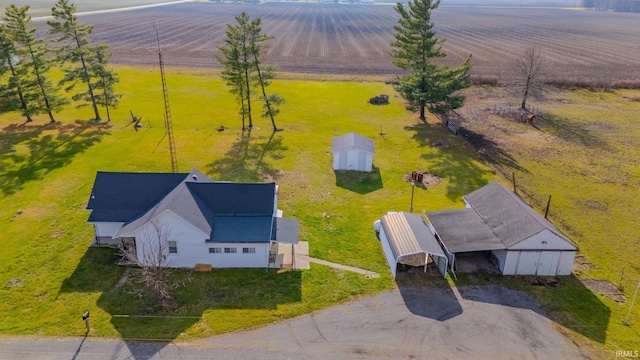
[(352, 152)]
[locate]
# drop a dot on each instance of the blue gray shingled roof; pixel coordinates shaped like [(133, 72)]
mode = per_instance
[(228, 212), (119, 196), (352, 141)]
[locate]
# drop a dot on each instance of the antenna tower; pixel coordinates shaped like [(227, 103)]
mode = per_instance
[(167, 111)]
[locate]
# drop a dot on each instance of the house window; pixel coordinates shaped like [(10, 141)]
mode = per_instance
[(215, 250), (230, 250), (173, 247), (248, 250)]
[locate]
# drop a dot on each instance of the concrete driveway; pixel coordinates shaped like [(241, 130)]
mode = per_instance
[(410, 323)]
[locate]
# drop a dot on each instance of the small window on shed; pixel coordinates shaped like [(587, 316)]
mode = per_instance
[(248, 250), (230, 250), (173, 247), (215, 250)]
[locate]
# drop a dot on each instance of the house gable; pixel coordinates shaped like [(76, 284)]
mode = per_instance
[(544, 240)]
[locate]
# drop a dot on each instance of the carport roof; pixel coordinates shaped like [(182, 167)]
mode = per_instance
[(408, 234), (463, 231)]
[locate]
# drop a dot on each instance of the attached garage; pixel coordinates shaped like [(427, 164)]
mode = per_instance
[(403, 235), (521, 241), (352, 152)]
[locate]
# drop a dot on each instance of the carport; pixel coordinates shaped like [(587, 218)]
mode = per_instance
[(403, 234), (462, 231)]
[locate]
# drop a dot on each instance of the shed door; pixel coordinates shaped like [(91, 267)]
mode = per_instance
[(362, 161), (528, 263), (548, 264)]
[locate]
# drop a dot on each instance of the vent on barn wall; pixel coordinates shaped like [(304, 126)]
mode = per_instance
[(167, 111)]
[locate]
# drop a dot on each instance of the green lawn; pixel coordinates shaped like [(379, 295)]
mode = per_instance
[(583, 153), (50, 277)]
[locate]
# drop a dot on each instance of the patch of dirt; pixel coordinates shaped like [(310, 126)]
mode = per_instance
[(606, 288), (593, 205), (428, 179), (15, 282), (581, 263)]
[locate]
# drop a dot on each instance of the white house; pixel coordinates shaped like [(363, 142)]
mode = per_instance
[(198, 220), (497, 220), (352, 152)]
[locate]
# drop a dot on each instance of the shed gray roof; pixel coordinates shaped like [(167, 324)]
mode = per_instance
[(507, 215), (408, 234), (352, 141), (463, 231)]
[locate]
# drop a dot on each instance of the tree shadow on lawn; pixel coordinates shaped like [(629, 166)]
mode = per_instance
[(245, 160), (359, 181), (28, 155), (140, 318), (568, 303), (572, 132), (451, 163)]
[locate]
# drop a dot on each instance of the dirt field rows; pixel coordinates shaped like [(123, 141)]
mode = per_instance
[(354, 39)]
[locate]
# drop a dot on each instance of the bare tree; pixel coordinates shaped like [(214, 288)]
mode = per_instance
[(530, 70), (152, 253)]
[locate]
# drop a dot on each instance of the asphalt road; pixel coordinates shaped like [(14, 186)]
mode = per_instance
[(482, 323)]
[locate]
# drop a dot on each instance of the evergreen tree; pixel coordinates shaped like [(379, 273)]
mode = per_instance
[(105, 79), (75, 51), (233, 72), (243, 55), (258, 47), (11, 96), (426, 84), (40, 94)]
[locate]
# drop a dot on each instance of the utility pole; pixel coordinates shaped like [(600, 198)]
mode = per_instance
[(167, 111)]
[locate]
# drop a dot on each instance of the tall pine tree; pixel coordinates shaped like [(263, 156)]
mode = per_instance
[(11, 95), (265, 74), (105, 79), (40, 94), (76, 51), (243, 56), (426, 85)]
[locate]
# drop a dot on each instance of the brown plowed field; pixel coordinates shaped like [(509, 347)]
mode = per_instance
[(354, 39)]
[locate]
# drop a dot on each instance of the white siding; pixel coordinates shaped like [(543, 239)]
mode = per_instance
[(548, 263), (544, 240), (565, 263), (352, 159), (510, 262), (107, 228), (501, 255), (391, 260), (544, 263), (192, 248), (527, 262)]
